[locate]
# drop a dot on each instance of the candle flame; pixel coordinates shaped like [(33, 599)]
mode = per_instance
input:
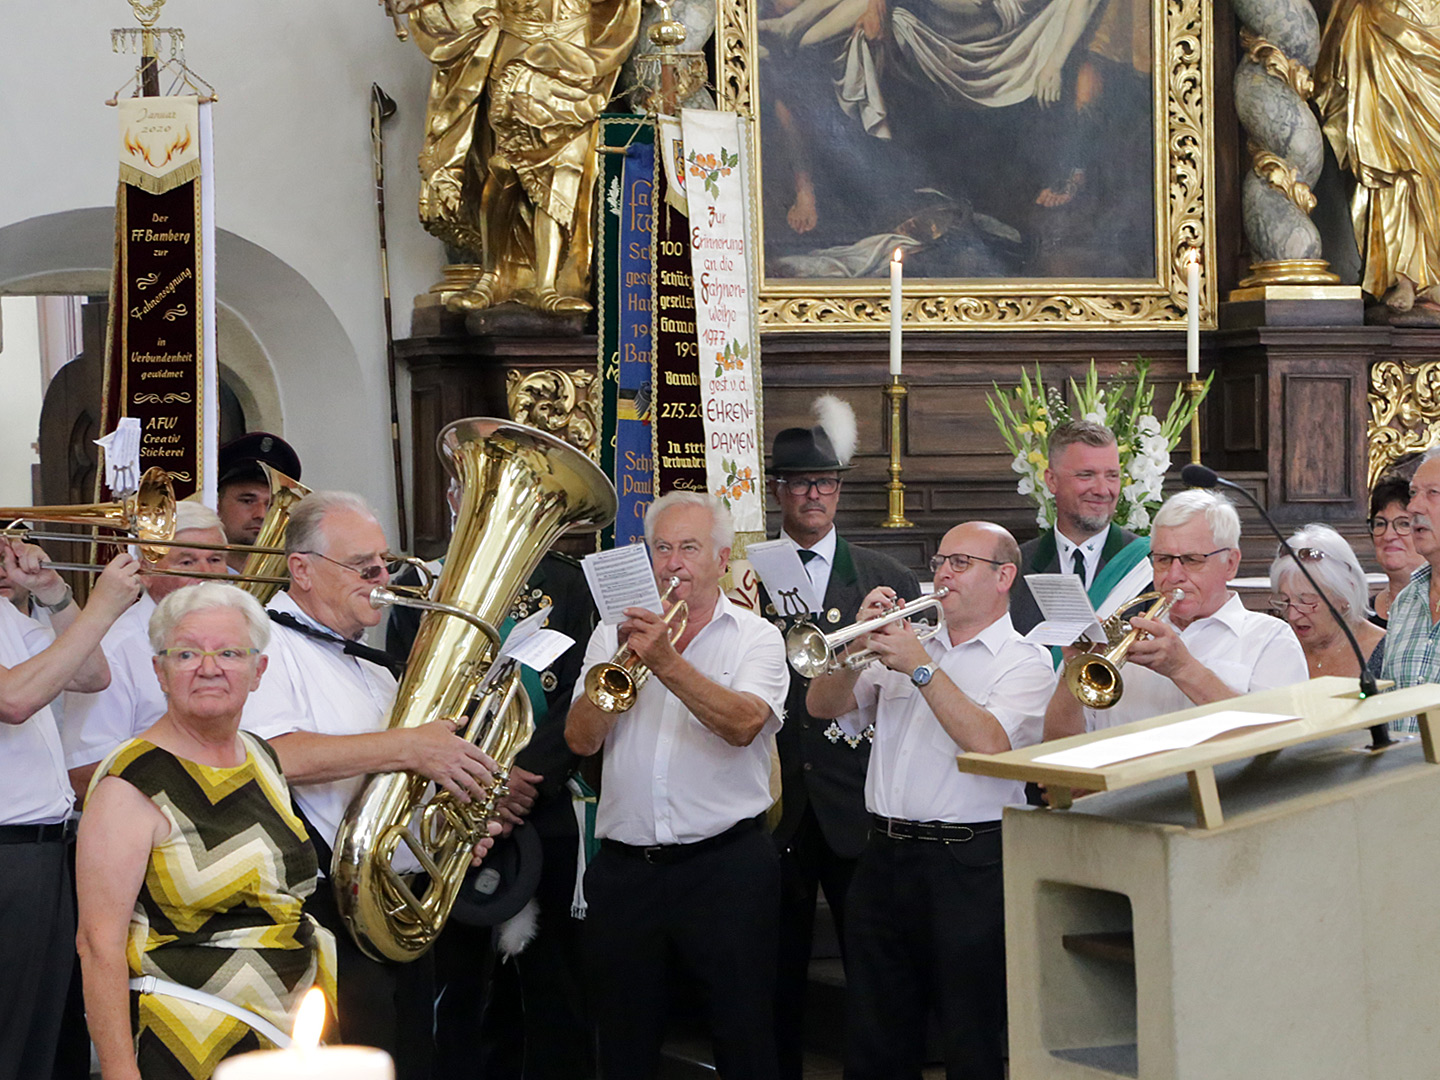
[(1192, 256), (309, 1020), (899, 256)]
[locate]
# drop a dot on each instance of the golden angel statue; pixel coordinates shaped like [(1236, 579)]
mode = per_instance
[(508, 164), (1378, 80)]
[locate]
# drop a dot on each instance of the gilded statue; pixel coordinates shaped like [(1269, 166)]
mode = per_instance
[(1379, 98), (508, 164)]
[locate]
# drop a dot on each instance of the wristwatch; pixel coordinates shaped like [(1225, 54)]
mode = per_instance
[(922, 675), (59, 605)]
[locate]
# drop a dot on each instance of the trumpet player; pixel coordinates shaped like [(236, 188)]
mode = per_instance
[(1209, 646), (685, 874), (925, 928), (323, 705)]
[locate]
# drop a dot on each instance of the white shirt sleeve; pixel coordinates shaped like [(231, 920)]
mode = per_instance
[(277, 706), (764, 673), (1020, 692)]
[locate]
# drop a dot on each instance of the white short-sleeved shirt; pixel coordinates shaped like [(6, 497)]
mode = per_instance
[(1247, 650), (912, 772), (313, 685), (34, 787), (95, 724), (668, 779)]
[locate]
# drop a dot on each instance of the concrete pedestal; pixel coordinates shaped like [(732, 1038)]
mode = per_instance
[(1300, 939)]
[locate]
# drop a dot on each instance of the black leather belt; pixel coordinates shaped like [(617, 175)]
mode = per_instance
[(946, 832), (662, 854), (59, 832)]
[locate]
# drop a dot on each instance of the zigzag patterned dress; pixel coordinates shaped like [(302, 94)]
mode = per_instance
[(220, 907)]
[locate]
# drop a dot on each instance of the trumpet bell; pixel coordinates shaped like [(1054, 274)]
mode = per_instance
[(809, 653), (610, 687), (1095, 681)]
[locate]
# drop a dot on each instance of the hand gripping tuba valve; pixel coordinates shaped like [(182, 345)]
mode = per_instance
[(1094, 677), (613, 686), (520, 490)]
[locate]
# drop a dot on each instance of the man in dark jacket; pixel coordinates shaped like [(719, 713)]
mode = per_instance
[(823, 822)]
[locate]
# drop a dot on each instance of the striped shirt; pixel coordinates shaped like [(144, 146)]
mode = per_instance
[(1412, 642)]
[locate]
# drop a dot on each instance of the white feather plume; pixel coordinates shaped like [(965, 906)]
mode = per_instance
[(519, 930), (838, 419)]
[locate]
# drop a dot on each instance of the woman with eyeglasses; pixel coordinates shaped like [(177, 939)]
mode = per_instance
[(1333, 564), (192, 866), (1394, 546)]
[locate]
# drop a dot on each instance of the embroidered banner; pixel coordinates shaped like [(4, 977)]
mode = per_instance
[(716, 183), (160, 348)]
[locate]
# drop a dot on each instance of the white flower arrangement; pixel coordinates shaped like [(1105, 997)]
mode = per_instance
[(1125, 404)]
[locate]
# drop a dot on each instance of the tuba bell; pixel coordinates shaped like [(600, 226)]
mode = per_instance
[(520, 490), (1094, 677)]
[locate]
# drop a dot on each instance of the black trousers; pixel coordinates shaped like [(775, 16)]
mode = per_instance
[(712, 916), (383, 1004), (926, 930), (807, 865), (37, 955)]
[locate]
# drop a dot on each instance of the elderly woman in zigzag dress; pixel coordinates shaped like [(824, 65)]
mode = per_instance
[(192, 866)]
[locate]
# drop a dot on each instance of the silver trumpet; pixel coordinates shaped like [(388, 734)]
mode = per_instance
[(813, 653)]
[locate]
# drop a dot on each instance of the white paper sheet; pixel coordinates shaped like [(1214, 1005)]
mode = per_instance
[(1177, 736), (1068, 614), (779, 566), (540, 649), (621, 578)]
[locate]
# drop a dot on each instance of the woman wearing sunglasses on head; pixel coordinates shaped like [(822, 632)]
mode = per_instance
[(1333, 564)]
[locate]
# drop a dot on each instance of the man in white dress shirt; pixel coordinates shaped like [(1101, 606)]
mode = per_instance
[(324, 708), (37, 906), (1209, 646), (96, 724), (685, 874), (926, 927)]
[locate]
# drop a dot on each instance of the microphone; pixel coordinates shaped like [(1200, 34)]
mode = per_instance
[(1200, 476)]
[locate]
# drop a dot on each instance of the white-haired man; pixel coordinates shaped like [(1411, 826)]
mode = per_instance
[(324, 705), (37, 932), (97, 723), (685, 874), (926, 929), (1209, 646), (1412, 637)]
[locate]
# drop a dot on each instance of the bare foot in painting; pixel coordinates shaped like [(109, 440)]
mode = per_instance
[(1053, 197), (803, 216)]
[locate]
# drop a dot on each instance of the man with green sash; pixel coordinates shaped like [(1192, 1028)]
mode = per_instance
[(1084, 477)]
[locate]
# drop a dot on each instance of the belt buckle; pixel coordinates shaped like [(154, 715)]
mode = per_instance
[(650, 854), (890, 829)]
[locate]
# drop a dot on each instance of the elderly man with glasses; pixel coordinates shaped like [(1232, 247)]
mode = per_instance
[(823, 822), (926, 928), (1209, 646), (1412, 640), (323, 705)]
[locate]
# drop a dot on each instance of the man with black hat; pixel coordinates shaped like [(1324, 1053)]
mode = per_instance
[(243, 490), (823, 821)]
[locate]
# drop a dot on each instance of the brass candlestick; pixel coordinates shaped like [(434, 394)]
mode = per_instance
[(894, 488), (1193, 388)]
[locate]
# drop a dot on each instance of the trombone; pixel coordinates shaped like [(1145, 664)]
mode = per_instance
[(813, 653)]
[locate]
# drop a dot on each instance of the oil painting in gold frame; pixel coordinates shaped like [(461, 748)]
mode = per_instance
[(1008, 236)]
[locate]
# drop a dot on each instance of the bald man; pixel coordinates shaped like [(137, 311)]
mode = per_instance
[(925, 928)]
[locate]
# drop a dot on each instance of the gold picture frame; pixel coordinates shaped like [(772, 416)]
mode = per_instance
[(1182, 131)]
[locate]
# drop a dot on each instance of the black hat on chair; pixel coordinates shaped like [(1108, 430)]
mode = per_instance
[(827, 446)]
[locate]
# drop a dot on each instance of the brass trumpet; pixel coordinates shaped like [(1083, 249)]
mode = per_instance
[(813, 653), (1094, 677), (613, 685)]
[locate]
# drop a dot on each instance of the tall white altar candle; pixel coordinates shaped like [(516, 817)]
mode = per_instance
[(305, 1059), (1192, 312), (897, 276)]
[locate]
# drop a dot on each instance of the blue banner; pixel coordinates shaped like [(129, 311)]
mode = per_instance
[(634, 464)]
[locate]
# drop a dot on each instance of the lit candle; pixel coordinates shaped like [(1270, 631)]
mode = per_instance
[(1192, 311), (897, 277), (306, 1059)]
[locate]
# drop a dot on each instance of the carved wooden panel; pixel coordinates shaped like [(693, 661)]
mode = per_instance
[(1320, 440)]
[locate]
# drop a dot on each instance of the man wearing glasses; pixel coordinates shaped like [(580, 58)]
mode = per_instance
[(1412, 639), (323, 705), (823, 822), (926, 922), (1209, 646), (1084, 476)]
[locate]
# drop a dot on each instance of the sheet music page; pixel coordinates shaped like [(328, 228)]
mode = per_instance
[(1067, 611), (1175, 736), (621, 578), (779, 566)]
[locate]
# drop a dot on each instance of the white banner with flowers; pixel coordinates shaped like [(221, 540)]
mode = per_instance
[(1125, 404)]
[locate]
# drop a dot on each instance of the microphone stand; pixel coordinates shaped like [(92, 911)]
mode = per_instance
[(1201, 476)]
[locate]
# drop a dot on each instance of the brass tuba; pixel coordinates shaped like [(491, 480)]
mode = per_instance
[(284, 494), (520, 489), (1094, 677), (613, 686)]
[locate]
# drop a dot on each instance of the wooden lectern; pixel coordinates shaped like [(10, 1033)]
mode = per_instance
[(1266, 904)]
